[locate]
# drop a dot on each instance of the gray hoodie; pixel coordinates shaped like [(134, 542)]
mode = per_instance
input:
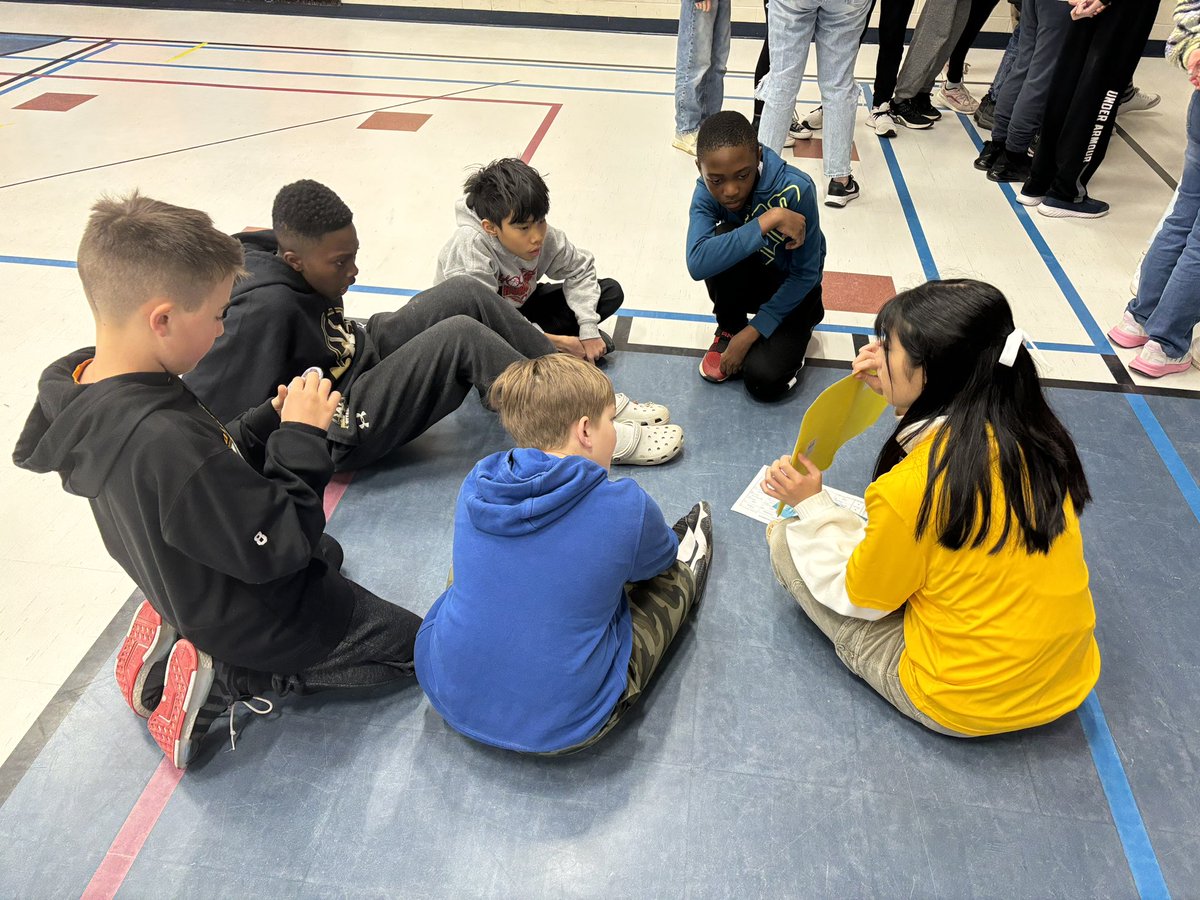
[(472, 251)]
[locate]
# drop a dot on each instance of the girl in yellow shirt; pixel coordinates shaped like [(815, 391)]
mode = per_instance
[(964, 599)]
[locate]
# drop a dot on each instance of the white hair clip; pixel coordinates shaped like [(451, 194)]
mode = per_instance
[(1016, 339)]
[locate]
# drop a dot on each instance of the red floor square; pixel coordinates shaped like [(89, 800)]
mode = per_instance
[(55, 102), (395, 121), (811, 149), (848, 292)]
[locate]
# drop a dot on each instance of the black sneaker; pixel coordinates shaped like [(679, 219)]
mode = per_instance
[(696, 543), (1011, 167), (992, 151), (609, 344), (838, 194), (905, 112), (985, 116), (710, 363), (926, 108)]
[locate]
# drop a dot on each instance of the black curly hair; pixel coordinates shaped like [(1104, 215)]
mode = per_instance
[(307, 210), (725, 129), (508, 187)]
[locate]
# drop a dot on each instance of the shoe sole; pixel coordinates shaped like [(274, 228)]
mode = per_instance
[(1128, 341), (710, 379), (1026, 200), (831, 200), (148, 641), (968, 110), (1153, 370), (679, 145), (185, 689), (915, 126), (800, 137), (1006, 179), (1054, 212)]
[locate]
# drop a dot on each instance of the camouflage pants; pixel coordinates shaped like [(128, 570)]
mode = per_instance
[(658, 608)]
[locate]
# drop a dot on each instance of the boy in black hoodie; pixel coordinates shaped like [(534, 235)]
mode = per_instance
[(222, 527), (398, 374)]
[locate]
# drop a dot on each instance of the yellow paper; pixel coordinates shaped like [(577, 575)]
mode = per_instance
[(843, 411)]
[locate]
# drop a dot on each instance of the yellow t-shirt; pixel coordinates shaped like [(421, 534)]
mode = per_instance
[(993, 643)]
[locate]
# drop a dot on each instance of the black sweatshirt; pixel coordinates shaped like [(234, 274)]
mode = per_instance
[(221, 537), (276, 327)]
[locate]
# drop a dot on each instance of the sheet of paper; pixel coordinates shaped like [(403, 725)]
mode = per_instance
[(757, 505)]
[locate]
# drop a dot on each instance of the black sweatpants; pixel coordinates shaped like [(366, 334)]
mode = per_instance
[(1096, 64), (455, 336), (547, 306), (772, 362), (980, 10), (893, 27)]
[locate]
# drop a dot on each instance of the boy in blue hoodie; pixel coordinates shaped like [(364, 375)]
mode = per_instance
[(755, 240), (546, 636)]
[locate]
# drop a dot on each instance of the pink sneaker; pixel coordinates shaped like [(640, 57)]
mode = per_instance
[(1152, 361), (1128, 333)]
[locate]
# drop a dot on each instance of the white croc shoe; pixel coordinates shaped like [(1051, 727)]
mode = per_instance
[(646, 445), (641, 413)]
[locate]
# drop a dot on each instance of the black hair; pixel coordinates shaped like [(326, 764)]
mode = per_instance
[(995, 414), (725, 129), (308, 210), (508, 187)]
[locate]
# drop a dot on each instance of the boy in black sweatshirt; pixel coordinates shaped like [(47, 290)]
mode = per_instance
[(222, 527), (398, 374)]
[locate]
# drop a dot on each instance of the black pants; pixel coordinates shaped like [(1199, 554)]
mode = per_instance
[(1095, 65), (547, 307), (893, 27), (453, 337), (761, 68), (980, 10), (772, 362)]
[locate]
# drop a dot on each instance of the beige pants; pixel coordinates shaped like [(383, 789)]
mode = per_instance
[(870, 649)]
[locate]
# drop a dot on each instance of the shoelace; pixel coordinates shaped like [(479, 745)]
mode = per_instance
[(252, 708)]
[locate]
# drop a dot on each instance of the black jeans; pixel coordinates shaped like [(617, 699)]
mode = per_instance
[(1094, 67), (547, 307), (773, 361), (893, 27), (980, 10)]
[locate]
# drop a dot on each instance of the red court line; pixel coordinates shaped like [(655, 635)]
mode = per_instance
[(288, 90), (551, 114), (110, 874)]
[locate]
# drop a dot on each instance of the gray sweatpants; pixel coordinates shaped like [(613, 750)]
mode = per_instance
[(453, 337), (941, 24), (1021, 101)]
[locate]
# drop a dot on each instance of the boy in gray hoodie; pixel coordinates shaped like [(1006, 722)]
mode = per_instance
[(502, 240)]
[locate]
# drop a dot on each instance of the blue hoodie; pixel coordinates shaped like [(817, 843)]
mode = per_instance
[(528, 649), (710, 254)]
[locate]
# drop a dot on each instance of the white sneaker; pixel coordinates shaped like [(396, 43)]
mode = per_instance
[(1139, 100), (957, 98), (685, 142), (646, 445), (815, 118), (641, 413), (802, 128), (1128, 333), (789, 139), (881, 121)]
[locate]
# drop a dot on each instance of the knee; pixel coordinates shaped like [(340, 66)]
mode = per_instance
[(767, 382)]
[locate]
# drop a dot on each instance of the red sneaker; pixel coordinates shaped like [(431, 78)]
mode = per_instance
[(191, 701), (142, 659), (710, 364)]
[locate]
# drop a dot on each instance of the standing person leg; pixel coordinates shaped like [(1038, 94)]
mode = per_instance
[(839, 23), (938, 28), (1006, 99), (693, 54), (712, 86), (774, 364), (953, 93), (790, 30), (985, 115), (893, 26), (761, 68)]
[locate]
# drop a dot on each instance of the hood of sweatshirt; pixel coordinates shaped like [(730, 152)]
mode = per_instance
[(518, 492), (267, 268), (79, 431)]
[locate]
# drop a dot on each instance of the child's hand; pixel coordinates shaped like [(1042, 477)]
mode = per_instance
[(566, 344), (310, 400), (1193, 67), (739, 346), (280, 396), (703, 5), (784, 482), (593, 349), (1085, 9), (867, 364), (791, 224)]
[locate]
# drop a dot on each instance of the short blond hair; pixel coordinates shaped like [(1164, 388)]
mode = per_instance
[(540, 400), (135, 248)]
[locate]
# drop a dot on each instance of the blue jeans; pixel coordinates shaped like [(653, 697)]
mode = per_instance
[(1168, 300), (701, 55), (1006, 63), (836, 26), (1022, 100)]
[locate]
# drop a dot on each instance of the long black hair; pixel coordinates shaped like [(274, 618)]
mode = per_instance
[(956, 331)]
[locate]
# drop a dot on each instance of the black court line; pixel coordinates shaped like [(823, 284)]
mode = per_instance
[(100, 42), (1147, 158), (244, 137)]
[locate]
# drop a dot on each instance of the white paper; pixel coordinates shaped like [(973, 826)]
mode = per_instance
[(757, 505)]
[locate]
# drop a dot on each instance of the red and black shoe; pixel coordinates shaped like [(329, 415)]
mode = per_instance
[(710, 364), (192, 698), (142, 660)]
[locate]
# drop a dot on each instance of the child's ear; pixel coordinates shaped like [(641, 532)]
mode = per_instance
[(489, 227), (584, 432), (698, 169), (293, 259), (159, 318)]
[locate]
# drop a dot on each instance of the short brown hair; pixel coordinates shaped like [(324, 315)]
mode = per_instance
[(539, 400), (135, 247)]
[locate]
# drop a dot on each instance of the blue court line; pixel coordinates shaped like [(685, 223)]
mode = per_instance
[(1166, 450), (1143, 864), (66, 65)]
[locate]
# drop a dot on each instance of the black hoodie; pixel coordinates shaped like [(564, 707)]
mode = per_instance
[(276, 327), (219, 528)]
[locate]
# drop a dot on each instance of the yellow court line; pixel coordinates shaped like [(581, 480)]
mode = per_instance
[(186, 52)]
